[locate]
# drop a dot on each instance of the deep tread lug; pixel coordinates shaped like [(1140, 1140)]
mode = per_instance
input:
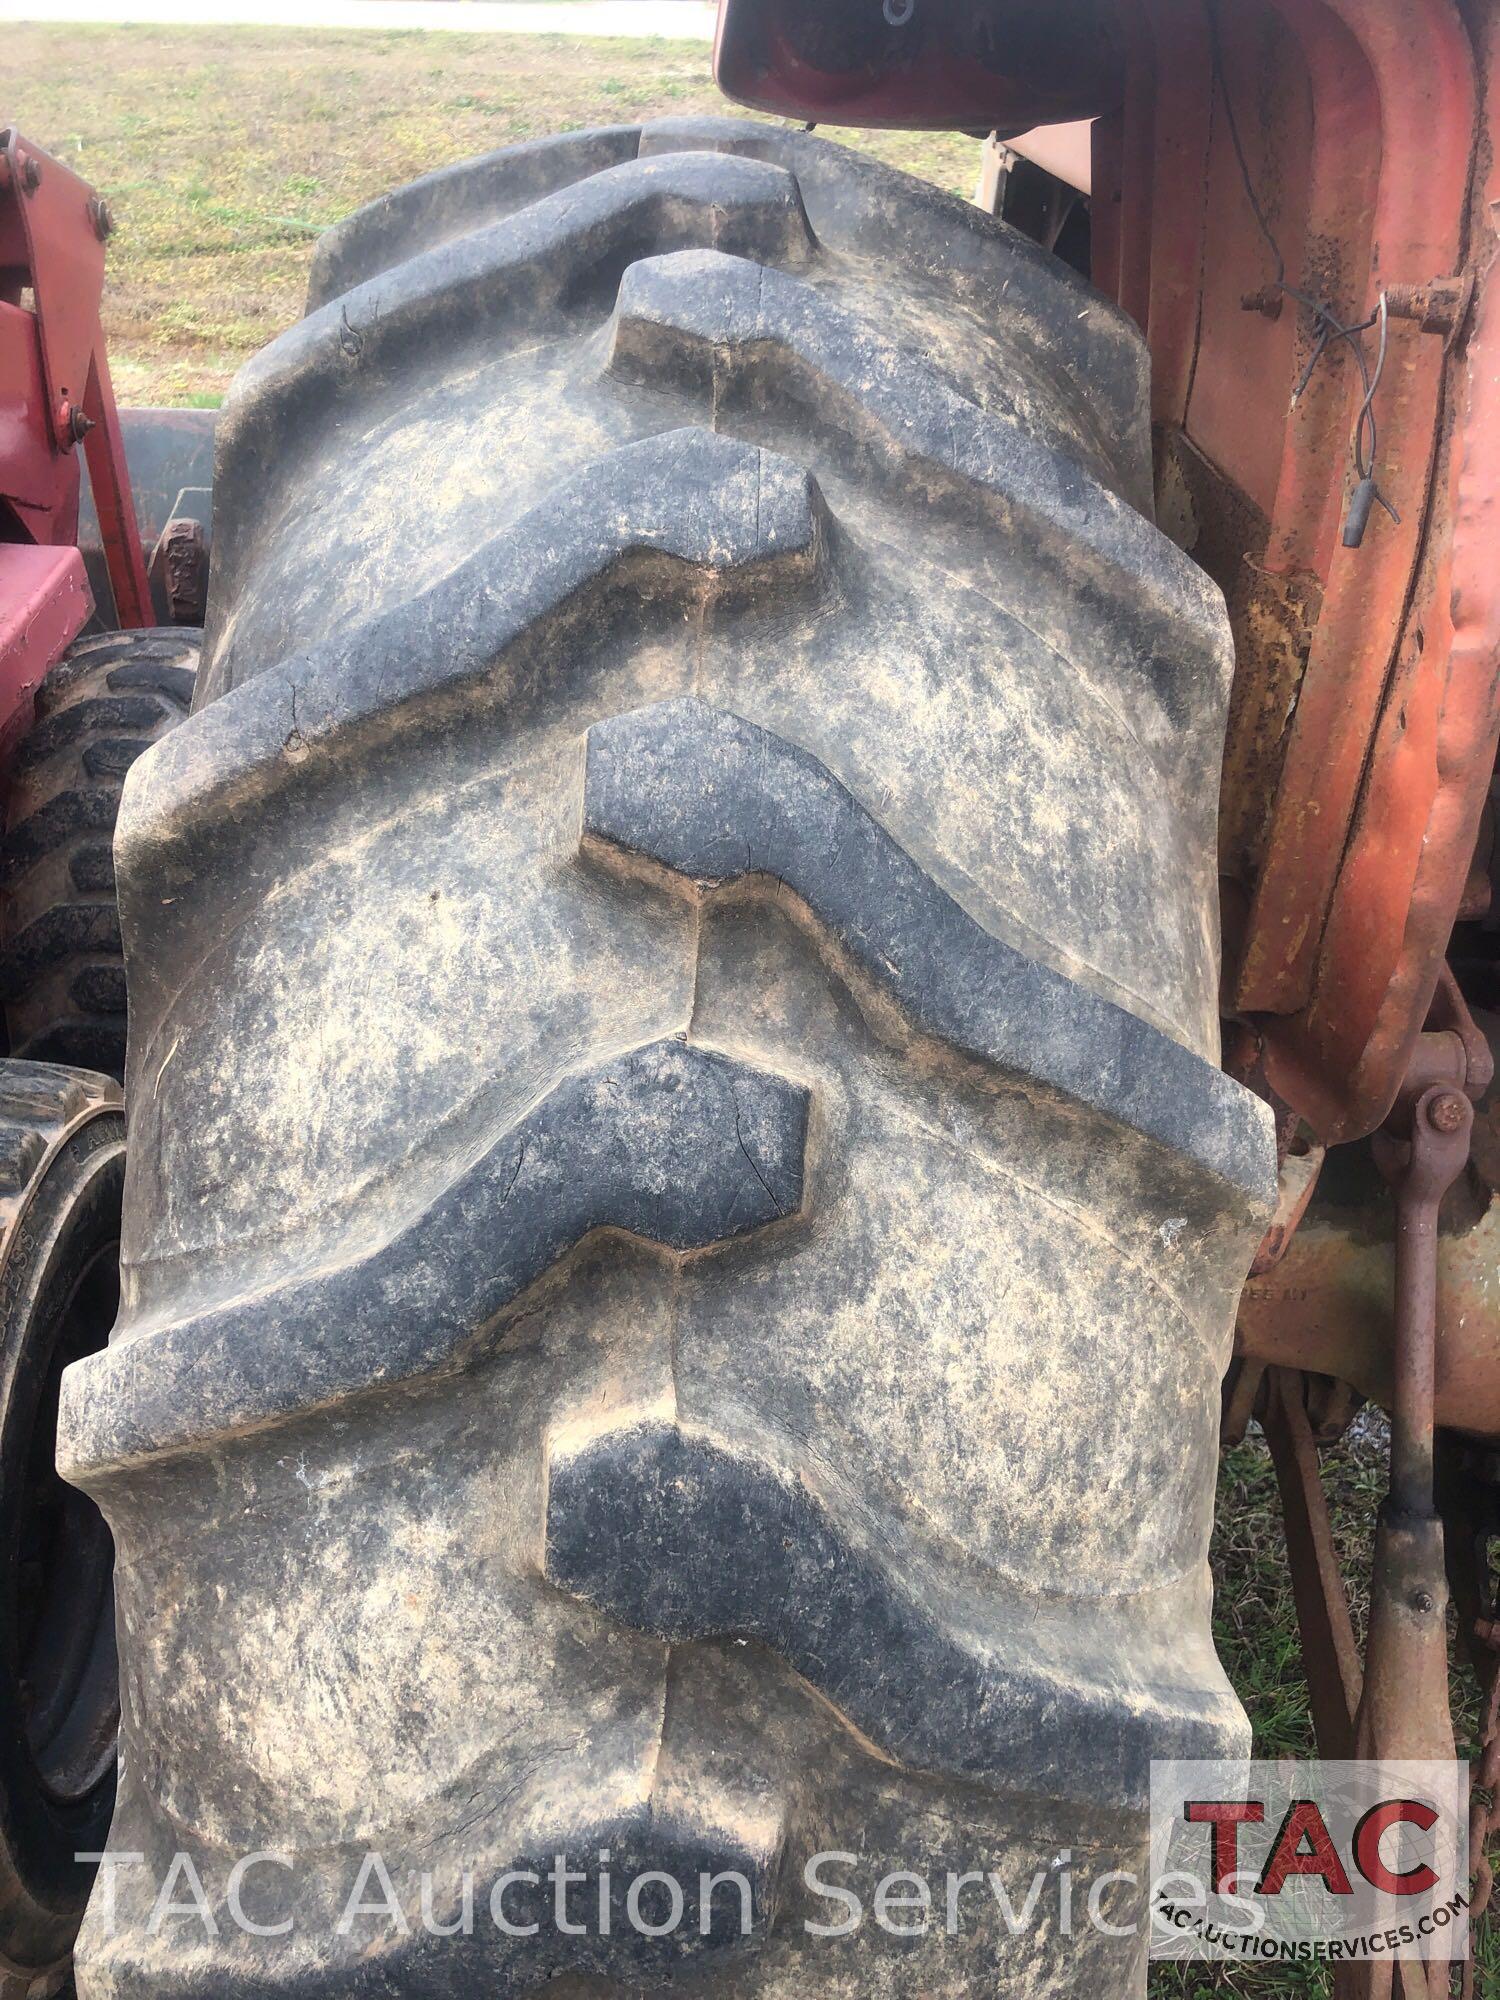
[(673, 1144), (100, 708)]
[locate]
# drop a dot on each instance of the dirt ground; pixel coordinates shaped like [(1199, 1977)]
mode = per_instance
[(224, 153)]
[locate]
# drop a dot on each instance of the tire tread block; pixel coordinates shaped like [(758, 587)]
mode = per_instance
[(714, 799), (504, 282), (680, 1534), (672, 1144), (737, 333)]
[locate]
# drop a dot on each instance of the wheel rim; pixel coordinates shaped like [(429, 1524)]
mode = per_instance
[(65, 1608)]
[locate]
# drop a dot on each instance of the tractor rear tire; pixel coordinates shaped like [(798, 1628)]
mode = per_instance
[(683, 1216), (62, 978), (62, 1169)]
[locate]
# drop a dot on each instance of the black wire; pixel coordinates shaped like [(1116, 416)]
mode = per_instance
[(1330, 328), (1366, 442), (1216, 48)]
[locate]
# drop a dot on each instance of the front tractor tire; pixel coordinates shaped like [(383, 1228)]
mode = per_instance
[(62, 1166), (683, 1218), (61, 1184), (62, 976)]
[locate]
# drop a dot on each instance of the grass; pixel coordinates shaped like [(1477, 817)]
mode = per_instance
[(224, 154)]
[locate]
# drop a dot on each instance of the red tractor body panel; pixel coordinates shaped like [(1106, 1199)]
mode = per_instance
[(55, 393), (45, 603)]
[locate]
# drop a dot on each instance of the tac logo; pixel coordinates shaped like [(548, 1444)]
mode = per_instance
[(1303, 1846), (1293, 1862)]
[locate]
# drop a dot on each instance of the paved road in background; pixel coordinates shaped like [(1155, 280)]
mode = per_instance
[(689, 20)]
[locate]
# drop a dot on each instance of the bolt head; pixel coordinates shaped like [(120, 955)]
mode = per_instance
[(74, 423), (31, 174), (1447, 1113), (1423, 1603), (102, 218)]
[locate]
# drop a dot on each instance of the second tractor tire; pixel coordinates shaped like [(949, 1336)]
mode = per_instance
[(62, 976), (683, 1217)]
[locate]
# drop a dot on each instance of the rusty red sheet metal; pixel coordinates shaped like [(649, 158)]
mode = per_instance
[(1422, 69), (1330, 1650), (1338, 158), (1413, 837), (1327, 1306)]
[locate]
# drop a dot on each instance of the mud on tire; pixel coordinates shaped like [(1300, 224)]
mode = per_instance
[(683, 1217), (61, 973)]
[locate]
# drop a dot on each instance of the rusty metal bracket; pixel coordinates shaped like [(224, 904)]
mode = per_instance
[(179, 570), (1442, 1121), (1295, 1187), (1440, 307), (1403, 1709), (1330, 1651)]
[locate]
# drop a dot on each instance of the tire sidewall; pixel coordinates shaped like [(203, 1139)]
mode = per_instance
[(72, 1217)]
